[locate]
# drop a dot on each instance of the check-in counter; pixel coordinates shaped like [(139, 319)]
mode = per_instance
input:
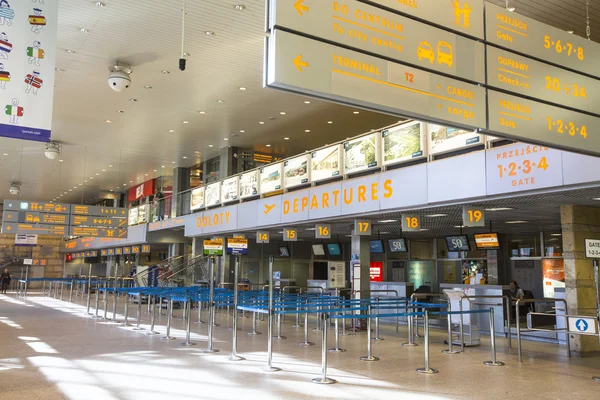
[(482, 319), (404, 289)]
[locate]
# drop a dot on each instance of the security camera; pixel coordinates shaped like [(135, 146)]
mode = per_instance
[(15, 188), (52, 150), (119, 78)]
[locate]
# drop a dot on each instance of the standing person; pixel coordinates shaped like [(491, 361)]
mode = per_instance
[(516, 292), (159, 202), (5, 279)]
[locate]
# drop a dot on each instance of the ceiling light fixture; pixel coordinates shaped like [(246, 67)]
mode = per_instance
[(282, 113), (387, 221), (211, 146), (121, 111), (268, 145), (155, 170), (58, 160), (171, 130), (108, 121), (356, 112), (239, 7), (103, 170), (498, 209), (162, 166), (70, 51), (436, 215), (184, 157), (147, 87), (424, 230), (517, 222), (84, 30), (172, 162), (261, 122), (99, 4), (186, 122), (242, 88), (59, 69), (556, 234), (133, 100), (97, 174), (330, 122), (165, 72), (571, 32), (307, 130), (225, 139), (307, 102), (110, 165), (286, 138), (220, 101), (209, 33), (202, 112)]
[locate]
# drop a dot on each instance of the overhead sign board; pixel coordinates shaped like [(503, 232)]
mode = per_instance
[(33, 217), (290, 235), (583, 325), (22, 239), (237, 246), (383, 33), (536, 122), (322, 231), (99, 211), (592, 248), (97, 232), (464, 16), (310, 67), (525, 76), (527, 36), (85, 220), (411, 223), (362, 227), (145, 248), (262, 237), (213, 247), (34, 229), (17, 205), (473, 216)]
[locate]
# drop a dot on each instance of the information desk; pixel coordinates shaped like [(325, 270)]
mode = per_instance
[(483, 319)]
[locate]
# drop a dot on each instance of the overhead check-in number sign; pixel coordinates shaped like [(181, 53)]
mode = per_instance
[(535, 122), (323, 231), (262, 237), (411, 223), (306, 66), (473, 216), (384, 33), (527, 36), (362, 227), (592, 248), (290, 235)]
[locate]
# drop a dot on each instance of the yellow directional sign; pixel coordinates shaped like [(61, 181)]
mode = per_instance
[(299, 63), (300, 7)]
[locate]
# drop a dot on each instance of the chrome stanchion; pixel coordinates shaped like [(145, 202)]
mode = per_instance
[(234, 356), (126, 316), (337, 348), (377, 338), (97, 301), (323, 379), (462, 327), (270, 367), (152, 299), (169, 317), (89, 290), (71, 292), (450, 349), (43, 288), (211, 303), (188, 329), (139, 313), (493, 362), (279, 337), (105, 300), (199, 322), (62, 288), (427, 369), (306, 343), (416, 320), (298, 304), (26, 281), (114, 318), (411, 338), (369, 356)]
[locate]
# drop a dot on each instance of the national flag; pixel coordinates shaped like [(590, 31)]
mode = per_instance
[(35, 52), (5, 46), (33, 81), (14, 110), (5, 76), (37, 20)]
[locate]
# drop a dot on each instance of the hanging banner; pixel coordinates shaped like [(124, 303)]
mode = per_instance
[(27, 62)]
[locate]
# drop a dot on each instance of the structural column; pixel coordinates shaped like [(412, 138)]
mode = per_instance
[(580, 223), (181, 182), (360, 253)]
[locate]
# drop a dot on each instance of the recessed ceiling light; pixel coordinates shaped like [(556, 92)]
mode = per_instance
[(184, 157), (84, 30), (556, 234), (286, 138), (282, 113), (172, 162), (330, 122), (110, 165), (197, 152), (209, 33), (459, 226), (202, 112), (186, 122), (58, 160), (108, 121), (511, 9), (242, 88), (261, 122), (242, 131), (498, 209), (91, 177), (186, 54), (147, 87), (4, 154), (239, 7), (225, 139), (171, 130), (70, 190), (211, 146), (436, 215), (111, 190), (59, 69), (120, 111), (103, 170), (145, 174), (165, 72), (220, 101), (268, 145), (356, 112), (70, 51), (85, 181), (311, 229), (571, 32), (99, 4), (307, 102), (387, 221), (81, 184), (130, 181), (517, 222), (124, 184), (162, 166), (97, 174), (423, 230), (155, 170), (307, 130)]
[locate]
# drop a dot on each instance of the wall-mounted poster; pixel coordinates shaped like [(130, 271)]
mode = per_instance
[(295, 171), (230, 189), (553, 271), (443, 139), (403, 142), (213, 194), (249, 184), (133, 216), (270, 178), (197, 202), (361, 154), (326, 163)]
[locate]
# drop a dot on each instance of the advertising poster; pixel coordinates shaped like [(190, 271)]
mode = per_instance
[(443, 139), (326, 163), (133, 216), (27, 62), (376, 271), (197, 202), (142, 214), (361, 154), (270, 178), (449, 271), (337, 274), (553, 271), (249, 184), (401, 143), (295, 171), (213, 194), (229, 189)]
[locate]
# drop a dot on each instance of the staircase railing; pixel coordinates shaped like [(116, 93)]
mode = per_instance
[(165, 264), (189, 267)]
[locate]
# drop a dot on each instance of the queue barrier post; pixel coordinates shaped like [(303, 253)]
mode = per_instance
[(337, 348), (234, 356), (377, 338), (62, 288), (152, 300), (188, 327), (169, 317), (493, 362), (115, 294), (105, 300), (411, 337), (270, 367), (306, 343), (369, 356), (126, 316), (97, 301), (427, 369), (212, 310), (139, 313), (323, 379), (450, 350), (89, 290), (71, 291)]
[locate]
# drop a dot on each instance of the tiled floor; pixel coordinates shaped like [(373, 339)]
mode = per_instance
[(49, 349)]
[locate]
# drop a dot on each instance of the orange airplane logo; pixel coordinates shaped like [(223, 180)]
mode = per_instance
[(269, 208)]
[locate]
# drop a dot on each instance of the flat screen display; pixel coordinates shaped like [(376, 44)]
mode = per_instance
[(458, 243), (397, 245), (284, 251), (377, 247), (487, 241), (318, 250), (333, 249)]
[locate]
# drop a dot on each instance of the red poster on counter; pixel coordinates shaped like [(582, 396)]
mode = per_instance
[(376, 271)]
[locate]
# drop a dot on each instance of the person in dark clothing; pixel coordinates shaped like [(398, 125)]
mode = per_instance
[(5, 279)]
